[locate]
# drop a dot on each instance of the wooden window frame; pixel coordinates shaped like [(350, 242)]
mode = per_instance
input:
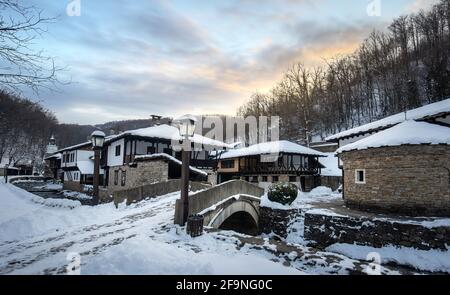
[(116, 177), (123, 178), (224, 166), (357, 174)]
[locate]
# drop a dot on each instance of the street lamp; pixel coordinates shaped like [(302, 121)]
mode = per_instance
[(98, 140), (186, 126), (6, 173)]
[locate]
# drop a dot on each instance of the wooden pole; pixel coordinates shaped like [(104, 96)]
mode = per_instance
[(185, 159), (6, 173), (96, 176)]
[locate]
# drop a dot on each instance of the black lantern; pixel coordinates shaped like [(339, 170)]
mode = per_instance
[(98, 139), (186, 125)]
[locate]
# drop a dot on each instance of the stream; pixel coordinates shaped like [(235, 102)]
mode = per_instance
[(51, 190)]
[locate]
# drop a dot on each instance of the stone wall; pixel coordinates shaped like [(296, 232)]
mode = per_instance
[(136, 194), (412, 180), (73, 186), (332, 182), (212, 178), (311, 181), (276, 221), (139, 174), (322, 231)]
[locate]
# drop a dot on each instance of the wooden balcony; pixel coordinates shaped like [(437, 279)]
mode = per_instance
[(285, 165)]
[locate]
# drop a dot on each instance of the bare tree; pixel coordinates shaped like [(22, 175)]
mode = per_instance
[(20, 64), (402, 68)]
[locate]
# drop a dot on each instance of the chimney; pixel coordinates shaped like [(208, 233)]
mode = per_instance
[(156, 119)]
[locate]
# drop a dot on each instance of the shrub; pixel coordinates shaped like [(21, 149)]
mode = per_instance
[(283, 193)]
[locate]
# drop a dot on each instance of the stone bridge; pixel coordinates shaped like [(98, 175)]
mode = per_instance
[(230, 205)]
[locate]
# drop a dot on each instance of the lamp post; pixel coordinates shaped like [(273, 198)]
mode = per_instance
[(98, 139), (6, 173), (186, 125)]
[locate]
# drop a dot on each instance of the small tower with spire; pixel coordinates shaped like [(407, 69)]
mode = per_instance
[(51, 147)]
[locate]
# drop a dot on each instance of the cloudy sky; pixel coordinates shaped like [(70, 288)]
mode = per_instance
[(130, 59)]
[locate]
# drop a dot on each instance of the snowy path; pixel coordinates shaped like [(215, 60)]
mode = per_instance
[(40, 254), (141, 239)]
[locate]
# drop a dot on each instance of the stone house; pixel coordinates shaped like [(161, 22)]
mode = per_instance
[(404, 170), (269, 162), (438, 113)]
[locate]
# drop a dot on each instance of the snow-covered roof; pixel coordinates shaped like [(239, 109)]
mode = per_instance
[(271, 148), (98, 133), (74, 147), (54, 156), (83, 144), (170, 158), (407, 133), (170, 133), (431, 110)]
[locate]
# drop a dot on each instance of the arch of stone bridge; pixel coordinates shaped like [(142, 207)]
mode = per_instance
[(235, 207)]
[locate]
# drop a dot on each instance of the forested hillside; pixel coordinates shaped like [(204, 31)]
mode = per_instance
[(406, 66), (25, 128)]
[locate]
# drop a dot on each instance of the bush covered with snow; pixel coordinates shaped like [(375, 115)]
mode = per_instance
[(283, 193)]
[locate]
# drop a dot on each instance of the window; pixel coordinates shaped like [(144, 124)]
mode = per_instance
[(360, 176), (118, 150), (116, 177), (264, 179), (255, 179), (150, 150), (292, 178), (124, 178), (72, 157), (227, 164), (274, 178), (247, 178)]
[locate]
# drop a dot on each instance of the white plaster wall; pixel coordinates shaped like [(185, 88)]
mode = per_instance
[(83, 155), (114, 160)]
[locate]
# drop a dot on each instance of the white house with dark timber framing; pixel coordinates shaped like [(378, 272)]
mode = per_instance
[(144, 156), (271, 162), (77, 165)]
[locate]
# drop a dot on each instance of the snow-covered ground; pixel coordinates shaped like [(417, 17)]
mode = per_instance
[(38, 238), (304, 200), (432, 261)]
